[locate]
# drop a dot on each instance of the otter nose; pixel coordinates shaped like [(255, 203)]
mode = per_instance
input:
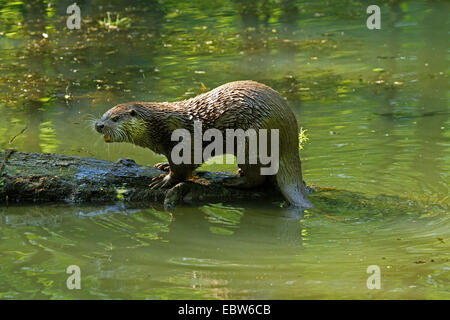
[(99, 126)]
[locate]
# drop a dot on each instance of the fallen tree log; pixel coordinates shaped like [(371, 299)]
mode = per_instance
[(46, 177)]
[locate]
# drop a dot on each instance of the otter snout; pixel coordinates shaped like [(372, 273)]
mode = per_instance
[(105, 130), (99, 126)]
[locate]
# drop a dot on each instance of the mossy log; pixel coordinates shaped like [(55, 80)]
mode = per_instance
[(47, 177)]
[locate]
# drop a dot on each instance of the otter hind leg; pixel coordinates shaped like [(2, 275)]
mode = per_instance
[(249, 177)]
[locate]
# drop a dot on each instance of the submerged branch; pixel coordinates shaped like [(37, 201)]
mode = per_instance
[(45, 177)]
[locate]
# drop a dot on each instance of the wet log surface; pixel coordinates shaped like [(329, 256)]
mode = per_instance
[(46, 177)]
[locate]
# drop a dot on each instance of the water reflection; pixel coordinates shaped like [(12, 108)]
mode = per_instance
[(226, 251)]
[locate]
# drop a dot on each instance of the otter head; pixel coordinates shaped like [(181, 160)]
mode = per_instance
[(122, 123)]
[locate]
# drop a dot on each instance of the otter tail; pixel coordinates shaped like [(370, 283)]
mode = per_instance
[(289, 180)]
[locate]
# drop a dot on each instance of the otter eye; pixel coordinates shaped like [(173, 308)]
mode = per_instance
[(115, 118), (132, 112)]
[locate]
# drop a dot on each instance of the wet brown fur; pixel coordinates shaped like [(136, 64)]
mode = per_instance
[(234, 105)]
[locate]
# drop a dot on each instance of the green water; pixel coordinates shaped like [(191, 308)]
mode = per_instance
[(374, 104)]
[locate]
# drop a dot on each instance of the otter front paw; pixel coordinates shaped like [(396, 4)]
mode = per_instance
[(163, 181), (163, 166)]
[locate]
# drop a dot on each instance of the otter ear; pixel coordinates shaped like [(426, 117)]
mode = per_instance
[(132, 112)]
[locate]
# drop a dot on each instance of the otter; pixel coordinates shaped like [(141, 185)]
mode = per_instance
[(234, 105)]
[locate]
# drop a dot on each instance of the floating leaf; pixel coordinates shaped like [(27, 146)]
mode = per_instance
[(45, 99)]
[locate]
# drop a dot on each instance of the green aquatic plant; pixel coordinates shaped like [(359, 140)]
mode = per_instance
[(119, 23), (121, 193), (302, 138)]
